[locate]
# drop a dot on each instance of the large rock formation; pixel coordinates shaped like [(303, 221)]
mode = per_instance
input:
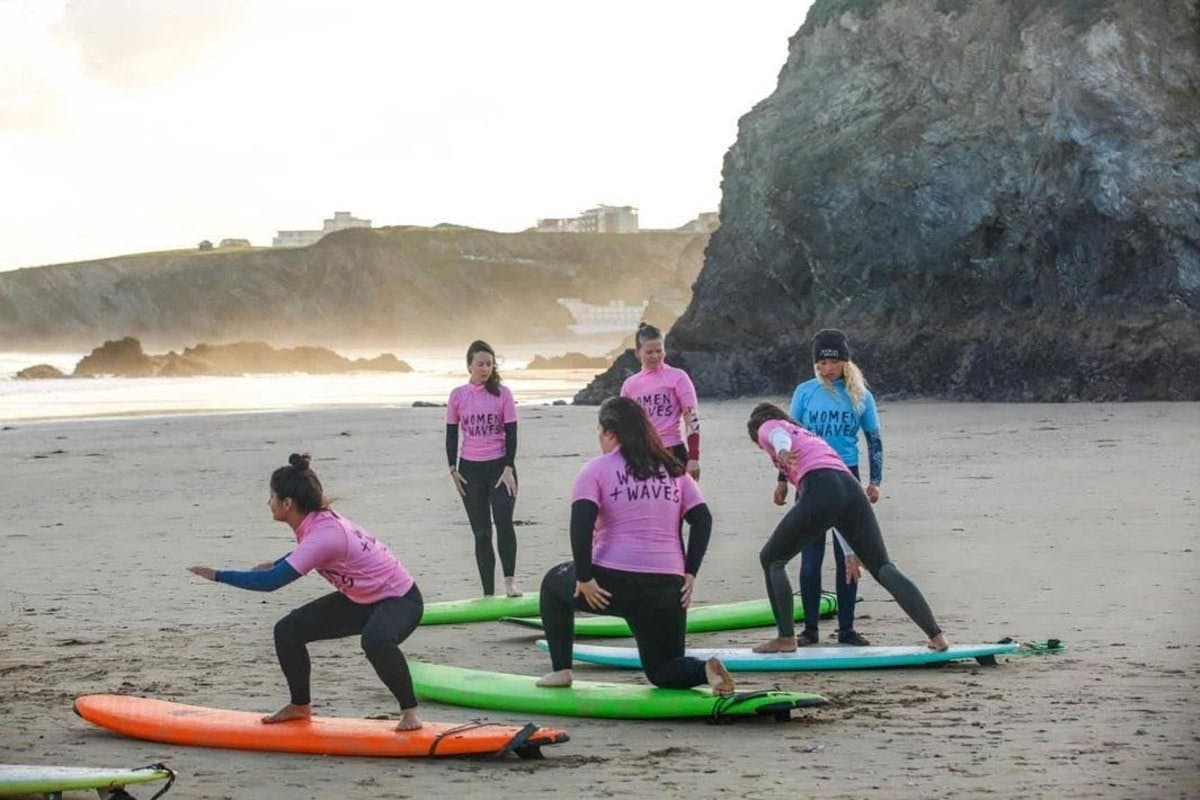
[(358, 288), (996, 200), (125, 358)]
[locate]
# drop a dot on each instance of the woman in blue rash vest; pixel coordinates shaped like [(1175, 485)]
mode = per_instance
[(835, 405)]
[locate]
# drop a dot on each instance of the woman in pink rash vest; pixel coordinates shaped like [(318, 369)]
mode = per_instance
[(629, 559), (483, 414), (667, 396), (376, 598), (829, 497)]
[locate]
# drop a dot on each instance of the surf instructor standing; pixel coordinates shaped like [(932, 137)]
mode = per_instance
[(376, 598)]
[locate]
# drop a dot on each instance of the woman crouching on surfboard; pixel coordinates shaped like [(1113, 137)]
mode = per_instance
[(829, 497), (375, 598), (629, 559)]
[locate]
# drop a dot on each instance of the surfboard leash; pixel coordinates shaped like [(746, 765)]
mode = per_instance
[(161, 767), (474, 724), (520, 740)]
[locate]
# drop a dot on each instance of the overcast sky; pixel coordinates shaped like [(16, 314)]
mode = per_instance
[(136, 125)]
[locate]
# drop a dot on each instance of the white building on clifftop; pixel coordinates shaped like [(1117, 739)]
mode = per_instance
[(615, 316), (340, 221), (601, 219)]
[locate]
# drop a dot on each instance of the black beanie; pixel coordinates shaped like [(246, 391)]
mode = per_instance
[(830, 343)]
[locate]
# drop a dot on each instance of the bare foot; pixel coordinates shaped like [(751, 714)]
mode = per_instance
[(783, 644), (510, 588), (939, 643), (409, 721), (556, 680), (718, 677), (289, 713)]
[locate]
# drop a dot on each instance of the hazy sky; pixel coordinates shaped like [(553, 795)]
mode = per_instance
[(134, 125)]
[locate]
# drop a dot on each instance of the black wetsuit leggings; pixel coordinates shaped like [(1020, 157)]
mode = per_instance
[(831, 498), (649, 602), (485, 501), (383, 625), (812, 556)]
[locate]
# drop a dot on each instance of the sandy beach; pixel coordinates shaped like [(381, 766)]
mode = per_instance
[(1079, 522)]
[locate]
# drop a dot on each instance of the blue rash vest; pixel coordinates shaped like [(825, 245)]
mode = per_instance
[(832, 417)]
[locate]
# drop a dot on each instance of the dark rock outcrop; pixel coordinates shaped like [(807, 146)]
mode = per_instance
[(380, 287), (40, 372), (125, 358), (996, 200)]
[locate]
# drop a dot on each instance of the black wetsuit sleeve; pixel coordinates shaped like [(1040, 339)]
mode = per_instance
[(583, 524), (510, 444), (699, 520), (260, 580), (875, 456), (452, 444)]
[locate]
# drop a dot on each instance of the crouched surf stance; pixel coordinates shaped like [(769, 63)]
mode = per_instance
[(376, 598)]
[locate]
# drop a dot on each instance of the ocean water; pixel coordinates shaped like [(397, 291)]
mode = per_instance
[(431, 381)]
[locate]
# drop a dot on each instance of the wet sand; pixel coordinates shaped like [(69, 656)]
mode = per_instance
[(1033, 521)]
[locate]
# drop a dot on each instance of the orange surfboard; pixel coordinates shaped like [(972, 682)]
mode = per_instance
[(176, 723)]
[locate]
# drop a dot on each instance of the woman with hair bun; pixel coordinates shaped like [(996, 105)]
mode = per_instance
[(375, 596), (483, 414)]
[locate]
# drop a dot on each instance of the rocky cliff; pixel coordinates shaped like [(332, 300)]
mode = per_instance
[(355, 288), (996, 200)]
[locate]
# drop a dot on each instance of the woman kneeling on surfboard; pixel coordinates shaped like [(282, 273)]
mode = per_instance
[(829, 497), (628, 553), (375, 598)]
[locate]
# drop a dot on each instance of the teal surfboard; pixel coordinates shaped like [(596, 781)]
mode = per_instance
[(52, 781), (700, 619), (810, 658), (480, 609), (499, 691)]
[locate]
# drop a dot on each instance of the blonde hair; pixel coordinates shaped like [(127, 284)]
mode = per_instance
[(856, 384)]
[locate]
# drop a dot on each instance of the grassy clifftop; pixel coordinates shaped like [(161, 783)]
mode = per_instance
[(359, 287)]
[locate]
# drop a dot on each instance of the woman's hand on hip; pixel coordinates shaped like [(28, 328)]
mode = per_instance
[(595, 596), (685, 594)]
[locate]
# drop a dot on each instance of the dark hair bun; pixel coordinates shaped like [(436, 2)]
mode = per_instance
[(299, 461)]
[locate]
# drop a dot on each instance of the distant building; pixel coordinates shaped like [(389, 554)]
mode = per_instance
[(204, 245), (705, 222), (340, 221), (601, 219), (558, 225), (615, 316)]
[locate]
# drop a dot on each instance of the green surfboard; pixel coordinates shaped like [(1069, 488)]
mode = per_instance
[(480, 609), (499, 691), (700, 619), (33, 779)]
